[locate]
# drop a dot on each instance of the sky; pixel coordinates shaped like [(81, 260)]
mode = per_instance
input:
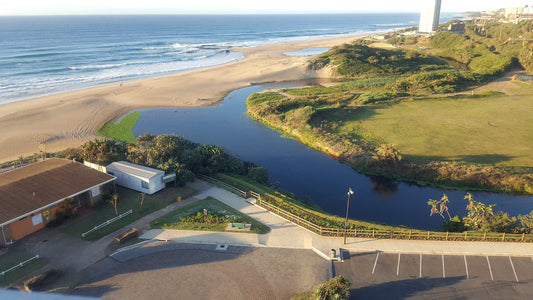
[(77, 7)]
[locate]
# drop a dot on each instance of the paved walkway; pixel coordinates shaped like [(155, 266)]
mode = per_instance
[(287, 235)]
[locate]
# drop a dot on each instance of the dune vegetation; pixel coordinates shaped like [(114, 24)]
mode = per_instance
[(404, 112)]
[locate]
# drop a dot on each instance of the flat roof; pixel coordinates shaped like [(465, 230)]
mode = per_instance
[(133, 169), (30, 188)]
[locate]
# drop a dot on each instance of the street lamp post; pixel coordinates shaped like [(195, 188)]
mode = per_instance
[(350, 192)]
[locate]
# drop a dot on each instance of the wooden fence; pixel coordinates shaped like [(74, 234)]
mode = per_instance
[(263, 201)]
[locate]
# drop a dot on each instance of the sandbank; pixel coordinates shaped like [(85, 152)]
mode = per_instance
[(70, 119)]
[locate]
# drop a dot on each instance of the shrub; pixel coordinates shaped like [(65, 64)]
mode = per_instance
[(455, 224), (41, 280), (337, 288), (258, 174)]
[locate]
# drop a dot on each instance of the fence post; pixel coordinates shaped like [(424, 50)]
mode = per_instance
[(356, 232), (523, 235), (447, 233), (503, 237), (391, 234), (373, 232), (428, 236), (466, 235), (485, 236), (409, 234)]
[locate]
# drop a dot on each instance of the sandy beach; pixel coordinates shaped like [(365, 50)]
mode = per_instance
[(70, 119)]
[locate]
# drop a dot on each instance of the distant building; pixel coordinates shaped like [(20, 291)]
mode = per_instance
[(518, 14), (31, 196), (457, 27), (429, 16), (139, 178)]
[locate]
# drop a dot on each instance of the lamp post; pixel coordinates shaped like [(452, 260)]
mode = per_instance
[(350, 192)]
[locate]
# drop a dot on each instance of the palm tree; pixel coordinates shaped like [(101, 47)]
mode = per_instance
[(434, 210), (443, 205), (114, 200)]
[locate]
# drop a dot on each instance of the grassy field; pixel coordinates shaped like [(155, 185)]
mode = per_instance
[(13, 257), (172, 220), (128, 199), (494, 130), (122, 130)]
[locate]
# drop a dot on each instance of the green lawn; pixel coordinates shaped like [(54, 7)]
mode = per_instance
[(13, 257), (493, 130), (172, 219), (128, 199), (122, 130)]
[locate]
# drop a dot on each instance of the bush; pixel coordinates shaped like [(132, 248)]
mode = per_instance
[(41, 280), (501, 222), (455, 224), (337, 288), (258, 174)]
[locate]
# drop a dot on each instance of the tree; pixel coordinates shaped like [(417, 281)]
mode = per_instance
[(114, 201), (478, 213), (143, 195), (440, 206)]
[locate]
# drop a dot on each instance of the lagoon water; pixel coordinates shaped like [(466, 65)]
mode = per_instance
[(307, 173)]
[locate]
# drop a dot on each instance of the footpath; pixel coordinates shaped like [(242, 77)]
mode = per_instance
[(284, 234)]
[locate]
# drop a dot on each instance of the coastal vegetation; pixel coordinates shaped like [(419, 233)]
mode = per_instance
[(208, 214), (121, 130), (480, 217), (391, 114)]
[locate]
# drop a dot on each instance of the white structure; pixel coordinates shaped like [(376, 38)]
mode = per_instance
[(135, 177), (429, 16)]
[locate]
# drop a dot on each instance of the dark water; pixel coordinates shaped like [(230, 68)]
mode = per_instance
[(308, 173)]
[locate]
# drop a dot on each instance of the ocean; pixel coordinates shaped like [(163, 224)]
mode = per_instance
[(42, 55)]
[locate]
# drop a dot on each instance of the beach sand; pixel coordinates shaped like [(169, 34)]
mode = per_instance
[(70, 119)]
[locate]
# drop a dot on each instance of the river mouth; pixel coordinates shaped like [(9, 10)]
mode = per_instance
[(311, 175)]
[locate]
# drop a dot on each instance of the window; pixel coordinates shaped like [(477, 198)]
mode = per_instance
[(144, 184)]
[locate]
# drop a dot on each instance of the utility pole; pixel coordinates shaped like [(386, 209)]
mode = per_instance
[(350, 192)]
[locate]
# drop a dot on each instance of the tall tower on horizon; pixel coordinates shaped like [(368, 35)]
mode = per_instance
[(429, 16)]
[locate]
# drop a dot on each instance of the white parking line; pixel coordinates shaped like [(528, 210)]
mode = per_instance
[(466, 267), (490, 269), (398, 267), (420, 274), (512, 265), (375, 263), (443, 271)]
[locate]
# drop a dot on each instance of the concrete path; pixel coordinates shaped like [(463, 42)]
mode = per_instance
[(287, 235)]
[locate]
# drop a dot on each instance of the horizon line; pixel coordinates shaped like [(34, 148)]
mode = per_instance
[(222, 13)]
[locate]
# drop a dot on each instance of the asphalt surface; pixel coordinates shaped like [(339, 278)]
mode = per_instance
[(171, 270), (379, 275)]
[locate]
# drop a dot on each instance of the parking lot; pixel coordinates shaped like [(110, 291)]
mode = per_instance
[(378, 275)]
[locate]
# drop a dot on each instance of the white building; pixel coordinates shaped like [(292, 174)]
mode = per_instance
[(135, 177), (429, 16)]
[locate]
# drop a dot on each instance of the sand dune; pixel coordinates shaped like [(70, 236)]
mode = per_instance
[(70, 119)]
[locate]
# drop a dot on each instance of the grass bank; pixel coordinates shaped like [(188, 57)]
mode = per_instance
[(175, 219), (128, 199), (477, 142), (121, 130)]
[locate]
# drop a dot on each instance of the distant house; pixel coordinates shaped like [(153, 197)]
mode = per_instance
[(31, 196), (136, 177)]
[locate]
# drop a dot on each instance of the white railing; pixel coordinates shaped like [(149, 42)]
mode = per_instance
[(107, 222), (19, 265)]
